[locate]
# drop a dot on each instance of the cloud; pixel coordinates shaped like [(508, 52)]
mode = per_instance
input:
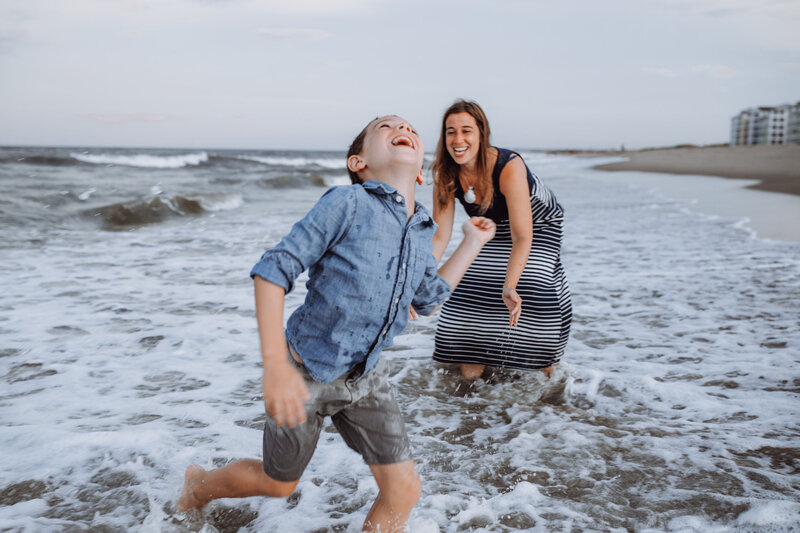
[(660, 71), (716, 8), (124, 118), (294, 33), (791, 66), (715, 71)]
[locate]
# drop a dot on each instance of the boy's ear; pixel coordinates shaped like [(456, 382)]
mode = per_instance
[(356, 164)]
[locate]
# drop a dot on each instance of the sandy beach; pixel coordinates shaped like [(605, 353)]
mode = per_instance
[(765, 188), (776, 167)]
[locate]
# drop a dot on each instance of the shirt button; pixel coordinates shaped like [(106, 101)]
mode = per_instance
[(397, 300), (404, 265), (398, 198)]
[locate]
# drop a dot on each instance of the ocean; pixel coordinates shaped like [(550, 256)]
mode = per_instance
[(129, 350)]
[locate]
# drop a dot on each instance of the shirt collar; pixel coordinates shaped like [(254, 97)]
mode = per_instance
[(378, 187)]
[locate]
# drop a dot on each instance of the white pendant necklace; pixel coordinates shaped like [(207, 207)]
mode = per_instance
[(469, 196)]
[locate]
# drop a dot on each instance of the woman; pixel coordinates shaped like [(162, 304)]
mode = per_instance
[(512, 309)]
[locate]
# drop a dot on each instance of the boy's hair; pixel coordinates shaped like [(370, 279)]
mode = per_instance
[(356, 147)]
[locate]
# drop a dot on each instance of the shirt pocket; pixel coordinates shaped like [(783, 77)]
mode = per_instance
[(418, 266)]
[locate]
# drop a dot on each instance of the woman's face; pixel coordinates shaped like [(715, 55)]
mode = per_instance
[(462, 138)]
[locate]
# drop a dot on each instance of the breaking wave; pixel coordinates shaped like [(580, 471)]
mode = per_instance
[(322, 162), (144, 160), (160, 208)]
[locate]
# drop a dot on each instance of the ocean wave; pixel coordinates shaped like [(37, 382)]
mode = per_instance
[(143, 160), (41, 160), (331, 181), (161, 208), (294, 181), (220, 202), (336, 163)]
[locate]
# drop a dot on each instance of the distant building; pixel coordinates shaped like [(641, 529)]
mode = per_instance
[(767, 125), (793, 136)]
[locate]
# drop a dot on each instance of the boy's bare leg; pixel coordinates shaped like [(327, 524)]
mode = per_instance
[(472, 371), (400, 488), (239, 479), (548, 371)]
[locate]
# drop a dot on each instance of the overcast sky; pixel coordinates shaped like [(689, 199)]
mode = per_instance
[(296, 74)]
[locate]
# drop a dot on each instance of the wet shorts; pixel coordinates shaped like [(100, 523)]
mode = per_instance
[(364, 412)]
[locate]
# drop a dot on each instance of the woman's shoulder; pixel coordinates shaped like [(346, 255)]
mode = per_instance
[(508, 159), (505, 156)]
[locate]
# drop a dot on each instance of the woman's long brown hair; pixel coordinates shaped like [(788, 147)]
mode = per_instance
[(445, 170)]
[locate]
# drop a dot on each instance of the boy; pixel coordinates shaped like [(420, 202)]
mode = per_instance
[(368, 250)]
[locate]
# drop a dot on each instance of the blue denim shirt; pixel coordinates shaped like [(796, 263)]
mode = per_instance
[(366, 265)]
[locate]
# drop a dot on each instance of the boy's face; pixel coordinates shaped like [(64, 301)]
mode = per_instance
[(390, 142)]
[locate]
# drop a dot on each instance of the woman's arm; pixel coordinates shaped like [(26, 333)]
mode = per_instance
[(443, 216), (514, 186)]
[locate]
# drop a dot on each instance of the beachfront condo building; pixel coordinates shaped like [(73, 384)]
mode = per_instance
[(767, 125)]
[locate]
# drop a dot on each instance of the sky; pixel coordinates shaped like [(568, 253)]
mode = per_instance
[(304, 75)]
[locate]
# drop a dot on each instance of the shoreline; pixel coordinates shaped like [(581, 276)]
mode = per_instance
[(759, 183), (775, 167)]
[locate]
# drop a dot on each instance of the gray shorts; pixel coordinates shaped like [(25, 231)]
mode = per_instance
[(365, 413)]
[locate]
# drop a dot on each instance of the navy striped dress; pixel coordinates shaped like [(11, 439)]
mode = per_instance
[(473, 323)]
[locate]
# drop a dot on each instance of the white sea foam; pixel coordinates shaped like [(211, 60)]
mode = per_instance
[(85, 195), (143, 160), (323, 162), (332, 181), (126, 356), (220, 202)]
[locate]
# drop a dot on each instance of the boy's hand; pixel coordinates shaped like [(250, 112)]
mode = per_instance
[(480, 228), (285, 392)]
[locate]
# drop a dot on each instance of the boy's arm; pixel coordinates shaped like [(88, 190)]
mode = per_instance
[(283, 386), (477, 232)]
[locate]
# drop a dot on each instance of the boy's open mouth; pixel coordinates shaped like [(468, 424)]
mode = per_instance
[(402, 140)]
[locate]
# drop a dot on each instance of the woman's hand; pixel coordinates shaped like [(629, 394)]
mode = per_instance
[(514, 304), (412, 313)]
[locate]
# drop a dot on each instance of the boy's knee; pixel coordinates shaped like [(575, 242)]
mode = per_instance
[(405, 493)]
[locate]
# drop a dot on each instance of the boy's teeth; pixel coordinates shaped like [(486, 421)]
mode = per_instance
[(404, 139)]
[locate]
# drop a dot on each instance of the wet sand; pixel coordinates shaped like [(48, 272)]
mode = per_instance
[(777, 168), (765, 189)]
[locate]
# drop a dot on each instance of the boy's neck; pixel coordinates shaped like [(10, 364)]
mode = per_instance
[(404, 186)]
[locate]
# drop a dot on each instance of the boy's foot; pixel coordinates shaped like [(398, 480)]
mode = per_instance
[(189, 499), (548, 371)]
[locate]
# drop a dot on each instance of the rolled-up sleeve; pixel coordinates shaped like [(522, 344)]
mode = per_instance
[(433, 291), (309, 239)]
